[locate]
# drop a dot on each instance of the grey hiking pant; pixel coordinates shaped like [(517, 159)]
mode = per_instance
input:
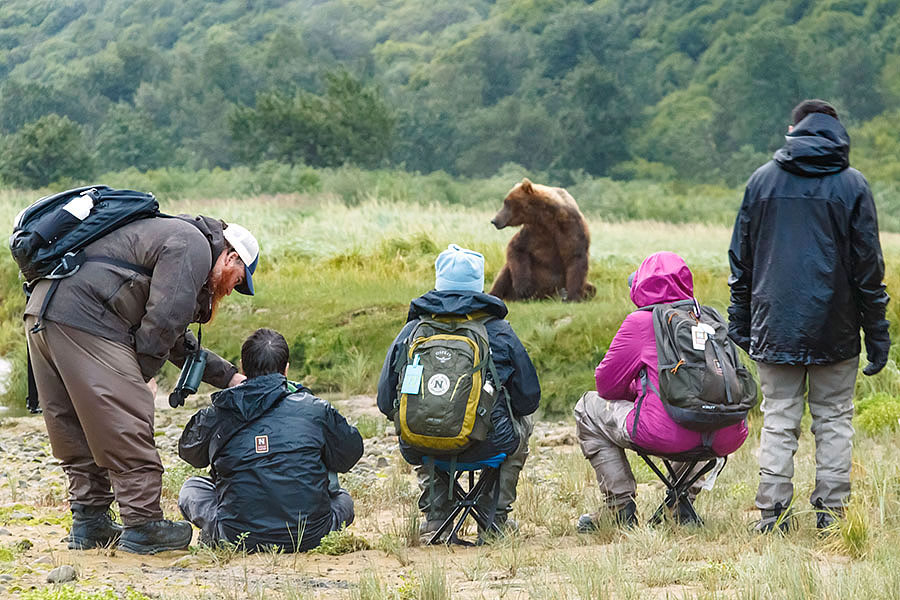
[(829, 393), (438, 507), (602, 432), (199, 504), (99, 416)]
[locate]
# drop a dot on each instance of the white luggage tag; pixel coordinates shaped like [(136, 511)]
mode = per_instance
[(412, 379), (699, 334)]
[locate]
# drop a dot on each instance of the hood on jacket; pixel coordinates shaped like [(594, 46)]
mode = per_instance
[(818, 145), (662, 277), (212, 230), (253, 397), (456, 302)]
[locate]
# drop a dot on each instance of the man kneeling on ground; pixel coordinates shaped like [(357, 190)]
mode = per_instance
[(273, 449)]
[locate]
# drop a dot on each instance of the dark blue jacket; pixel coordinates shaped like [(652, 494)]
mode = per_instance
[(514, 368), (806, 263), (271, 450)]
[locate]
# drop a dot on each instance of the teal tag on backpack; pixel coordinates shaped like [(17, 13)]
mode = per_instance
[(412, 379)]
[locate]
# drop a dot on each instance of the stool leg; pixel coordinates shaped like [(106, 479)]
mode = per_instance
[(458, 495), (466, 503)]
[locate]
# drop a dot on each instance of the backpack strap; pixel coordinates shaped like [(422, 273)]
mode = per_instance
[(31, 399), (70, 265), (677, 304), (717, 351)]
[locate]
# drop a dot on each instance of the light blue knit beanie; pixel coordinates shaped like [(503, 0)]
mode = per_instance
[(459, 269)]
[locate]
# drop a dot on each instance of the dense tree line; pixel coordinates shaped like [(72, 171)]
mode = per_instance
[(660, 89)]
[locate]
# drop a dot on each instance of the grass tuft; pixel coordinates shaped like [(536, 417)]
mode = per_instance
[(340, 542)]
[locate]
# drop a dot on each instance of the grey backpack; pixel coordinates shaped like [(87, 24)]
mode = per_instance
[(702, 383)]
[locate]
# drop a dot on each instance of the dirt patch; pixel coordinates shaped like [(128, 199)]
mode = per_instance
[(34, 518)]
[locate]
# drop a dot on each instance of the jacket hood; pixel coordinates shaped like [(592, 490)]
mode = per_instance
[(662, 277), (818, 145), (455, 302), (253, 397), (212, 230)]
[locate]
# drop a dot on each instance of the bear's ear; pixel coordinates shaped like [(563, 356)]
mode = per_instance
[(526, 186)]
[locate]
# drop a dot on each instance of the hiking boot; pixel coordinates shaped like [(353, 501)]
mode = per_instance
[(682, 515), (156, 536), (430, 526), (775, 518), (427, 529), (92, 527), (587, 523), (505, 525), (625, 516), (827, 517)]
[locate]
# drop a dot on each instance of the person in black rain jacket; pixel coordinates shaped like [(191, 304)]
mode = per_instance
[(459, 291), (806, 274), (273, 449)]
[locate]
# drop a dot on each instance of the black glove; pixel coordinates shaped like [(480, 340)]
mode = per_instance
[(878, 347)]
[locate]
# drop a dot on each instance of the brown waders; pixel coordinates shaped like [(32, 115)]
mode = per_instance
[(99, 415)]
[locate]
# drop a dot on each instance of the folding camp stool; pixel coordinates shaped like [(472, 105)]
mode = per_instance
[(465, 501), (678, 485)]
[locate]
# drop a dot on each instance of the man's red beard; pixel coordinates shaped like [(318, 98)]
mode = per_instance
[(218, 290)]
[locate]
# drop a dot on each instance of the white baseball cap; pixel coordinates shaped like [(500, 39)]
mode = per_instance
[(247, 248)]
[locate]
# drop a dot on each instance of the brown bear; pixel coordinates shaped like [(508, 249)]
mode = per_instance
[(549, 255)]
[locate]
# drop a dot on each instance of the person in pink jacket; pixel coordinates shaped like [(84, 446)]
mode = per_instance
[(608, 421)]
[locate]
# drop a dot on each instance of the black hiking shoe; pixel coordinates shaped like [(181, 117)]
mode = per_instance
[(92, 527), (826, 517), (156, 536), (777, 518), (685, 516), (625, 516)]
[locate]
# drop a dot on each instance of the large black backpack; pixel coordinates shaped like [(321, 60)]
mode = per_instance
[(49, 238), (703, 384)]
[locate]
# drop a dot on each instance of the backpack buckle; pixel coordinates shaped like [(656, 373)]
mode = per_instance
[(68, 265)]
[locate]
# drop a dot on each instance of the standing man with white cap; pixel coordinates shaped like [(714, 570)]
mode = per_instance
[(459, 291), (108, 330)]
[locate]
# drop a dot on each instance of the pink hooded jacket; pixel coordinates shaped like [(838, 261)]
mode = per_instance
[(662, 277)]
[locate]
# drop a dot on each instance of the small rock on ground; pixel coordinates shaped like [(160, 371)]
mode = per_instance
[(62, 574)]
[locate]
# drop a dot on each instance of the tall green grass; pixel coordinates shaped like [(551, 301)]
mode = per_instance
[(336, 278)]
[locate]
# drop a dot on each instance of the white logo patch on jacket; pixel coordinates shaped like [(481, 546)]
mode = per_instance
[(262, 444)]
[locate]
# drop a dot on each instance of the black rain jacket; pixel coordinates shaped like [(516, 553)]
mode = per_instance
[(806, 263), (271, 450), (514, 369)]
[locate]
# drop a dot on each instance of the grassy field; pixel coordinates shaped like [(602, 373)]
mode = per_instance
[(336, 280)]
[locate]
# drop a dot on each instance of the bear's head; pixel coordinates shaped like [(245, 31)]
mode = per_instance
[(534, 204), (514, 211)]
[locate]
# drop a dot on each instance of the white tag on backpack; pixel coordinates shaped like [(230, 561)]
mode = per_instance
[(698, 337), (412, 379), (699, 334)]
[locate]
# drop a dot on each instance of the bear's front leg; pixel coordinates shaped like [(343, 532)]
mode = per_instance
[(576, 279), (503, 287)]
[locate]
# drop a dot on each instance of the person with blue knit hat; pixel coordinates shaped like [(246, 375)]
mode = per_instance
[(459, 292), (459, 269)]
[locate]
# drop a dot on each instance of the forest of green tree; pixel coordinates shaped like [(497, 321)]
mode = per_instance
[(628, 89)]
